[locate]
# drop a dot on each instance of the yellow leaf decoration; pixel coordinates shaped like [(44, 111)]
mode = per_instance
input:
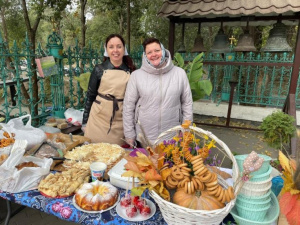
[(160, 161), (293, 164), (165, 173), (153, 183), (132, 166), (289, 185), (294, 191), (186, 124), (284, 162), (143, 160), (131, 174), (152, 175)]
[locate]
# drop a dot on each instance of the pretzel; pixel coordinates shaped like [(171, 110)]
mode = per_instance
[(169, 185), (212, 186), (220, 197), (219, 191), (183, 165), (195, 168), (176, 173), (186, 187), (214, 177), (195, 158), (205, 177), (227, 196), (186, 169), (200, 171), (172, 181), (214, 191)]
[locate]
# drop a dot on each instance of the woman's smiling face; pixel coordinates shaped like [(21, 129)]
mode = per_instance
[(154, 53), (115, 51)]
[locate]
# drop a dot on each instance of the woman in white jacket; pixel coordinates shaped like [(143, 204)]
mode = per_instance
[(158, 95)]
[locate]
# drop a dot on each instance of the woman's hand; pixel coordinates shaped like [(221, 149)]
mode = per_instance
[(131, 142)]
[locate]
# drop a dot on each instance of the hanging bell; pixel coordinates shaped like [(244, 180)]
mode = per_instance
[(245, 43), (198, 44), (182, 47), (277, 40), (221, 44)]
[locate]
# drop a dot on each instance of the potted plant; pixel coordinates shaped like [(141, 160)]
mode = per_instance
[(278, 129), (194, 70)]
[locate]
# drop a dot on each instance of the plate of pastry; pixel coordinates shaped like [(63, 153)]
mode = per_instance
[(96, 197), (92, 211), (48, 196), (134, 208)]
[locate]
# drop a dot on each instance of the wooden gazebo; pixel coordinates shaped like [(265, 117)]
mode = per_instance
[(238, 12)]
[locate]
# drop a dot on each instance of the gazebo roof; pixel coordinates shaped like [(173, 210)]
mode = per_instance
[(229, 8)]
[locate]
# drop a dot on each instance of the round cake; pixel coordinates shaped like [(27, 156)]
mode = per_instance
[(96, 196)]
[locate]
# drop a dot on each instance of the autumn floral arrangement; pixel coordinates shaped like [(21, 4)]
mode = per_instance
[(179, 165), (289, 197)]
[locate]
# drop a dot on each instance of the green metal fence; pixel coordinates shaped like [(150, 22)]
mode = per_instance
[(263, 79)]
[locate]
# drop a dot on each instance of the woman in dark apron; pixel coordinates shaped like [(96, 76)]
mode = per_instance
[(102, 118)]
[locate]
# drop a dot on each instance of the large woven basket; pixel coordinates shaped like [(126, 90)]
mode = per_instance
[(175, 214)]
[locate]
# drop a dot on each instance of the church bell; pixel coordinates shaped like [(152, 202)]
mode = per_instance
[(277, 40), (221, 44), (198, 44), (245, 43)]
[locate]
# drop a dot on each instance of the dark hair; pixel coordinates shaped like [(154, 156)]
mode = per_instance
[(126, 59), (150, 41)]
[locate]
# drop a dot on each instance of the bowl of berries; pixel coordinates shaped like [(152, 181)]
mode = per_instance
[(135, 208)]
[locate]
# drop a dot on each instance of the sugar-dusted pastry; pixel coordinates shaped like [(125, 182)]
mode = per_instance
[(96, 196)]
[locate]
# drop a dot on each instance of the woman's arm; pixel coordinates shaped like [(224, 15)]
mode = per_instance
[(186, 100), (130, 101), (92, 92)]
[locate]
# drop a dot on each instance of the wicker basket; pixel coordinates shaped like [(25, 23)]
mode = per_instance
[(175, 214)]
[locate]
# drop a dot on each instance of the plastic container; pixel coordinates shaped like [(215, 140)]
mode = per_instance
[(264, 168), (255, 191), (258, 185), (256, 214), (271, 215), (253, 204), (117, 180), (261, 177), (277, 184), (261, 198)]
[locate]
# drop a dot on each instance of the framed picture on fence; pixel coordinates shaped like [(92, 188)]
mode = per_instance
[(46, 66)]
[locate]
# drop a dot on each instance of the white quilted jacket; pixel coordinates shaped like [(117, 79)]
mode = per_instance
[(158, 98)]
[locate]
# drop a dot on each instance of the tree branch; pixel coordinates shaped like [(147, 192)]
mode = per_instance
[(25, 13)]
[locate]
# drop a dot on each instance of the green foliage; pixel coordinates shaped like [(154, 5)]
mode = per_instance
[(278, 129), (83, 80), (194, 71)]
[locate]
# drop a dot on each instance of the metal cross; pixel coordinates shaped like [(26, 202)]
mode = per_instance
[(232, 39)]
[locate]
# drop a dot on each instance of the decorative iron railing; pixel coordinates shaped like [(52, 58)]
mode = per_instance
[(263, 79)]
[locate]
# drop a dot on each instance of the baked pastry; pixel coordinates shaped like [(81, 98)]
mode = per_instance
[(26, 164), (100, 152), (65, 183), (96, 196)]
